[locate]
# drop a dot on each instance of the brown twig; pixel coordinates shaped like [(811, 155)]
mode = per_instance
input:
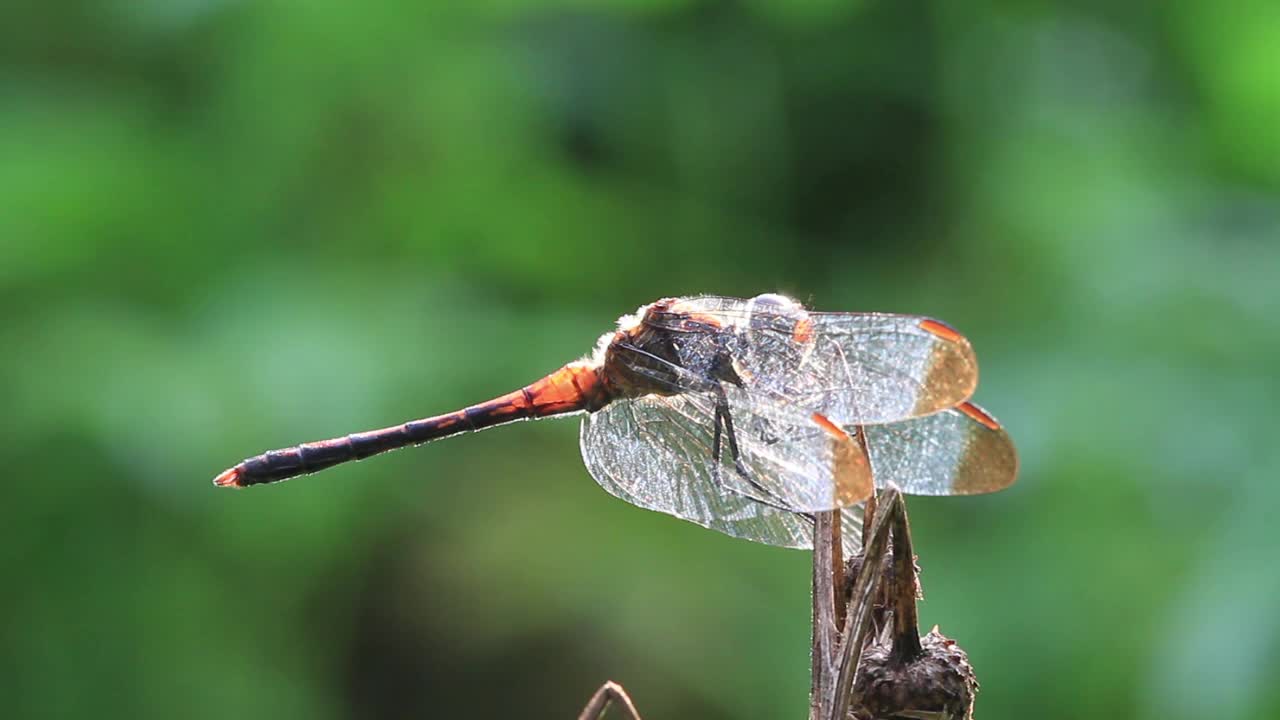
[(903, 590), (860, 604), (826, 541), (855, 675), (905, 675), (610, 692)]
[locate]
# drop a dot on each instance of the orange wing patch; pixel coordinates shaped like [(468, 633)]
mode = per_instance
[(990, 462), (850, 464), (802, 333), (952, 373), (827, 425), (977, 413), (941, 329)]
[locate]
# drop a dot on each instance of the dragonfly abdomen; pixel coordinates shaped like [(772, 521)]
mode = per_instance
[(573, 388)]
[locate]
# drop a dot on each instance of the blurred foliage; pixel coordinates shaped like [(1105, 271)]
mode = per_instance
[(230, 226)]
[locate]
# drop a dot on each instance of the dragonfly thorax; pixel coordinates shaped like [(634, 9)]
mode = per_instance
[(668, 351), (679, 345)]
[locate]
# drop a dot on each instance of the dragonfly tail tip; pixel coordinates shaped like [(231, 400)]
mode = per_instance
[(228, 478)]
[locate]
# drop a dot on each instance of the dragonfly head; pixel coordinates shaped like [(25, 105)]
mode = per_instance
[(773, 300)]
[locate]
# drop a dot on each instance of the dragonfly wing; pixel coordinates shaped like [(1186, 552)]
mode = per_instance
[(851, 530), (959, 451), (855, 368), (770, 526), (796, 455), (632, 456), (864, 368), (656, 452)]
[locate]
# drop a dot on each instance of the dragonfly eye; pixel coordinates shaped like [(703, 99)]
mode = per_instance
[(773, 300)]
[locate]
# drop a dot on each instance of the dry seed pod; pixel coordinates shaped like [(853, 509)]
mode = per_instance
[(938, 685)]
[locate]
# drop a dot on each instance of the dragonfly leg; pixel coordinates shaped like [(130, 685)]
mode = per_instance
[(610, 693), (716, 441), (724, 426), (766, 497), (722, 411)]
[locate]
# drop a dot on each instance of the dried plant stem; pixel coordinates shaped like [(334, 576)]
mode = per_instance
[(860, 604), (903, 676), (826, 628), (609, 693), (906, 617)]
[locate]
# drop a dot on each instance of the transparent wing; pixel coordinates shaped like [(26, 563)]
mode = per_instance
[(771, 526), (960, 451), (855, 368), (850, 531), (634, 459), (658, 452), (881, 368), (791, 453)]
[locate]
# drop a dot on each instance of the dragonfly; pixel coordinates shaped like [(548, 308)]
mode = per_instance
[(745, 416)]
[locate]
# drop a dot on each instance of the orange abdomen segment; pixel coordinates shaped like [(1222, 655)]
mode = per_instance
[(572, 388)]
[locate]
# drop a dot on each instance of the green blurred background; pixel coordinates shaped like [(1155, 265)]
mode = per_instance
[(231, 226)]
